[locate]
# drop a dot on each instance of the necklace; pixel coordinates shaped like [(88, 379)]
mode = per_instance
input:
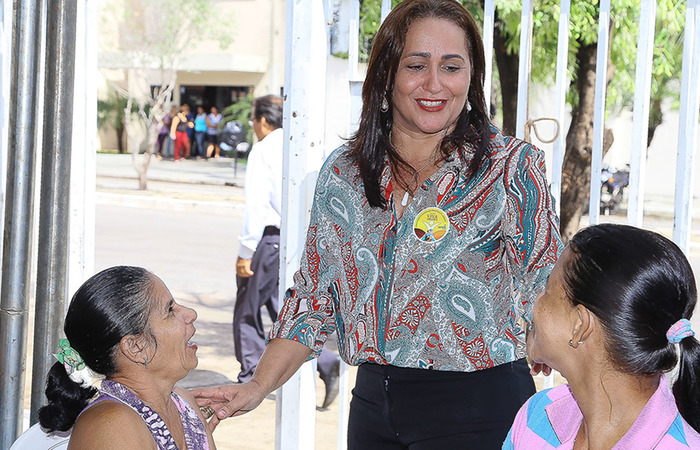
[(404, 200)]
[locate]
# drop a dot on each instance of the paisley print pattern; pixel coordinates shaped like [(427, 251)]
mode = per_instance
[(450, 304)]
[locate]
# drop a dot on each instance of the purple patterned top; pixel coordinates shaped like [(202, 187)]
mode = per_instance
[(195, 431)]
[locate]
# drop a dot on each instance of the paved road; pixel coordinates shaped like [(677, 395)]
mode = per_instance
[(193, 252)]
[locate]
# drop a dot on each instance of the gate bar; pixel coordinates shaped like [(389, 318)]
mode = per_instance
[(16, 260)]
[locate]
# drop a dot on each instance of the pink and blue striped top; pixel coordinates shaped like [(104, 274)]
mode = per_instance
[(551, 418)]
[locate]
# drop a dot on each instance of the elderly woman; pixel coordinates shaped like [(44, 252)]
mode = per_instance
[(124, 324), (431, 233), (613, 319)]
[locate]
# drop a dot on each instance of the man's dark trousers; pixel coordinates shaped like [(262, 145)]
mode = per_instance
[(254, 293), (262, 290)]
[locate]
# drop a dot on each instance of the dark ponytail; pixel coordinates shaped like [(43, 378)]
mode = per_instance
[(686, 389), (653, 287), (110, 305), (66, 400)]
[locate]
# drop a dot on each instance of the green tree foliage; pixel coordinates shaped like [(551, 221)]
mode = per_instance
[(668, 60), (111, 115), (622, 54), (240, 112), (370, 19), (583, 25)]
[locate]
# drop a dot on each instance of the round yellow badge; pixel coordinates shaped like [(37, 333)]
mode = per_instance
[(431, 225)]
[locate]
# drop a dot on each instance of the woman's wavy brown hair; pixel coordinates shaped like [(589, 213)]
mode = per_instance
[(371, 144)]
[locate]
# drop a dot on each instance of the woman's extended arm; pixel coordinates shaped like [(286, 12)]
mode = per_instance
[(531, 227), (281, 359), (285, 352)]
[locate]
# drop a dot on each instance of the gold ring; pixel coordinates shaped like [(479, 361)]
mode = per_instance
[(207, 410)]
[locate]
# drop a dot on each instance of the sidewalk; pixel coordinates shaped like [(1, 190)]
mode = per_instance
[(217, 180), (216, 172), (207, 186)]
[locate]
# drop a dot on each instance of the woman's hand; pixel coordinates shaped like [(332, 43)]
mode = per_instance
[(279, 361), (229, 400), (535, 367)]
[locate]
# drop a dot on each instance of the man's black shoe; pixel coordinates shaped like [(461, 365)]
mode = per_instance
[(332, 382)]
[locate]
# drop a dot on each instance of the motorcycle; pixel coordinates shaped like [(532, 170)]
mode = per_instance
[(612, 189), (233, 144)]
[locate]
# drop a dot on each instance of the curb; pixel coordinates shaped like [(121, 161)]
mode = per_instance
[(224, 181), (167, 203)]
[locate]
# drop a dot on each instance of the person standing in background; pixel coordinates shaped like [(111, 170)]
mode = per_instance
[(213, 120), (190, 130), (178, 132), (257, 267), (200, 132), (164, 133)]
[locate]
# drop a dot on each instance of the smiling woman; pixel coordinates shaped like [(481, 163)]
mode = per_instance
[(432, 80), (431, 234), (124, 324)]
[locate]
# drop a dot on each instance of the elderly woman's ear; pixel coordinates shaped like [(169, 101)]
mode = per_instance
[(136, 348), (584, 325)]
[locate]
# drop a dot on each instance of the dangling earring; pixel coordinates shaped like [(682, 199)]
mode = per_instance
[(469, 106), (145, 362), (385, 104)]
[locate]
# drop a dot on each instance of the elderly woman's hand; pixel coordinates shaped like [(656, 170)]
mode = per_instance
[(229, 400)]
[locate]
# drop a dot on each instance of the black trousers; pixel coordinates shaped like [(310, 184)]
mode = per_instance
[(254, 293), (418, 409)]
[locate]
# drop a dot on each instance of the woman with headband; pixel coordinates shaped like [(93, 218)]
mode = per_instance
[(613, 320), (124, 324)]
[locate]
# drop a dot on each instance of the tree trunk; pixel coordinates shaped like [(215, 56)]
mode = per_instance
[(656, 118), (576, 171), (120, 138), (508, 75), (143, 170)]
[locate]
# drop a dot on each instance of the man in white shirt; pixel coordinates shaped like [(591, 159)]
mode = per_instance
[(257, 267)]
